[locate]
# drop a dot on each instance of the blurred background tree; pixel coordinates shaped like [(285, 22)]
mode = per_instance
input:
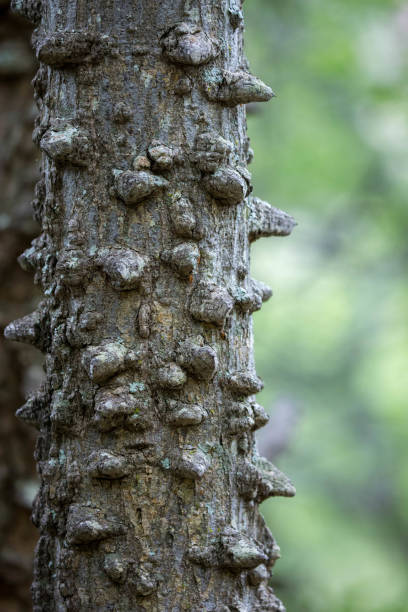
[(333, 346), (20, 366)]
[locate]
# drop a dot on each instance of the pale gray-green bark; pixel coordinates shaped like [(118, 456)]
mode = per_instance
[(150, 476)]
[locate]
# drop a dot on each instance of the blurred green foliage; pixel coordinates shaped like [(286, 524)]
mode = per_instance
[(332, 150)]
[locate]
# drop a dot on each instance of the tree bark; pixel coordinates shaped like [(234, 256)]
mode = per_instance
[(150, 479)]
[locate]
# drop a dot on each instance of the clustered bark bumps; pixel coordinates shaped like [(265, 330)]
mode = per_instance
[(150, 477)]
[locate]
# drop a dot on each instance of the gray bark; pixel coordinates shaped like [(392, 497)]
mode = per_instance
[(150, 479)]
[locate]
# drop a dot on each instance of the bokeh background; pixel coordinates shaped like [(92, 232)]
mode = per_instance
[(332, 344)]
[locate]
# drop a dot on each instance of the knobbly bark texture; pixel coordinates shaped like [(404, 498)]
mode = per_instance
[(150, 479), (20, 368)]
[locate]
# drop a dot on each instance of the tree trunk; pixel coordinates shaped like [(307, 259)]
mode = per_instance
[(18, 174), (150, 479)]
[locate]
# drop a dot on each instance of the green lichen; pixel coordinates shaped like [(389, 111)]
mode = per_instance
[(62, 456), (136, 387), (210, 509), (165, 463)]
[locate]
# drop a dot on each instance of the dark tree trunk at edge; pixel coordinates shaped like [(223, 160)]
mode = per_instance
[(20, 369), (150, 479)]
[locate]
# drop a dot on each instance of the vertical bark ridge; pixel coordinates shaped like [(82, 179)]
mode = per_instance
[(150, 474)]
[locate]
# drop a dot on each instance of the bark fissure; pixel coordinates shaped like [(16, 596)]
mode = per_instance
[(150, 477)]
